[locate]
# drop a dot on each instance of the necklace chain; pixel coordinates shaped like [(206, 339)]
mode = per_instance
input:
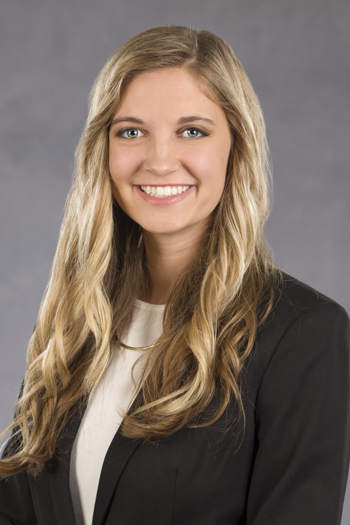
[(142, 348)]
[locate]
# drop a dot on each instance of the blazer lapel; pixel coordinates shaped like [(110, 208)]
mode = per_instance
[(58, 476), (117, 457)]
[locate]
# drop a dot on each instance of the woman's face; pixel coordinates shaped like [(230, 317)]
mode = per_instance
[(168, 151)]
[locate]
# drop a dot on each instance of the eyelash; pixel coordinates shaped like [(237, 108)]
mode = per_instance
[(125, 130), (201, 132), (194, 128)]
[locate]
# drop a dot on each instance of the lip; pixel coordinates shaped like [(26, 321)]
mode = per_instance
[(164, 201)]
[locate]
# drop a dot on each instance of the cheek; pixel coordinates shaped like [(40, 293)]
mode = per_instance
[(211, 165), (117, 174), (115, 163), (121, 166), (115, 181)]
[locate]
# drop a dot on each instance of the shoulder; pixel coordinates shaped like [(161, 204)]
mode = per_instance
[(296, 302), (303, 328), (298, 383), (302, 354), (295, 296)]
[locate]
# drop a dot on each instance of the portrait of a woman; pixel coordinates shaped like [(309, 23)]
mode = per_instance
[(175, 374)]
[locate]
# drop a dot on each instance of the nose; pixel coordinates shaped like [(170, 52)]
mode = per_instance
[(161, 158)]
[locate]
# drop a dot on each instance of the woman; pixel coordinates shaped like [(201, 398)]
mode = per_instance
[(175, 375)]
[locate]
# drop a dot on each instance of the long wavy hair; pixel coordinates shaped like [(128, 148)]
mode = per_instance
[(213, 314)]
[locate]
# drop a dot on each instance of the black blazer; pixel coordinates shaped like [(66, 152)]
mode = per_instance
[(290, 469)]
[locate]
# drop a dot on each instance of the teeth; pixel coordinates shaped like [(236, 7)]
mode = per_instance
[(159, 191)]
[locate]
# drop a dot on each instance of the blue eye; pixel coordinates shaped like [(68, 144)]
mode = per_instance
[(193, 133), (130, 133)]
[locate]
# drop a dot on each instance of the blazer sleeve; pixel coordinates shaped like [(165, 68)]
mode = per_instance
[(300, 472), (16, 505)]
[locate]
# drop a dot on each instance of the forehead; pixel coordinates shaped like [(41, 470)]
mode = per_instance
[(169, 90)]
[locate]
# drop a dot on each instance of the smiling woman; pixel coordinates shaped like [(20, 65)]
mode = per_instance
[(175, 374), (180, 160)]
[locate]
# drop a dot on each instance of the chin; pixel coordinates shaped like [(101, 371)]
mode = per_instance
[(163, 228)]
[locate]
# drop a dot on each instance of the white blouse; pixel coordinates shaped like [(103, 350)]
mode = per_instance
[(104, 413)]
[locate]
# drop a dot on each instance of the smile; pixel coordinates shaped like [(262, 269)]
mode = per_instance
[(161, 191)]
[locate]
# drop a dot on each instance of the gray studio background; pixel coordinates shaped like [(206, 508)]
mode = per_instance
[(296, 53)]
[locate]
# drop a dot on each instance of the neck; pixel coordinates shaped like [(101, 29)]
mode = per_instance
[(167, 258)]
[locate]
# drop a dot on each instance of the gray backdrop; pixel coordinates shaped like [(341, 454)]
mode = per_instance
[(296, 53)]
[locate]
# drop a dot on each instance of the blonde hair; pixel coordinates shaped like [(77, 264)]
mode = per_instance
[(211, 319)]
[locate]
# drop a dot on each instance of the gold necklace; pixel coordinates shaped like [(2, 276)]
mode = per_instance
[(141, 348)]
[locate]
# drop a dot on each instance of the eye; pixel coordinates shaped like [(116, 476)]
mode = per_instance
[(193, 133), (130, 133)]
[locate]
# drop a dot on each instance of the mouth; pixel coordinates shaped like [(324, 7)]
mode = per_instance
[(164, 191)]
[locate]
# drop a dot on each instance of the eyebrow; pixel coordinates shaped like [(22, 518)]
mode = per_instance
[(194, 118), (127, 119), (182, 120)]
